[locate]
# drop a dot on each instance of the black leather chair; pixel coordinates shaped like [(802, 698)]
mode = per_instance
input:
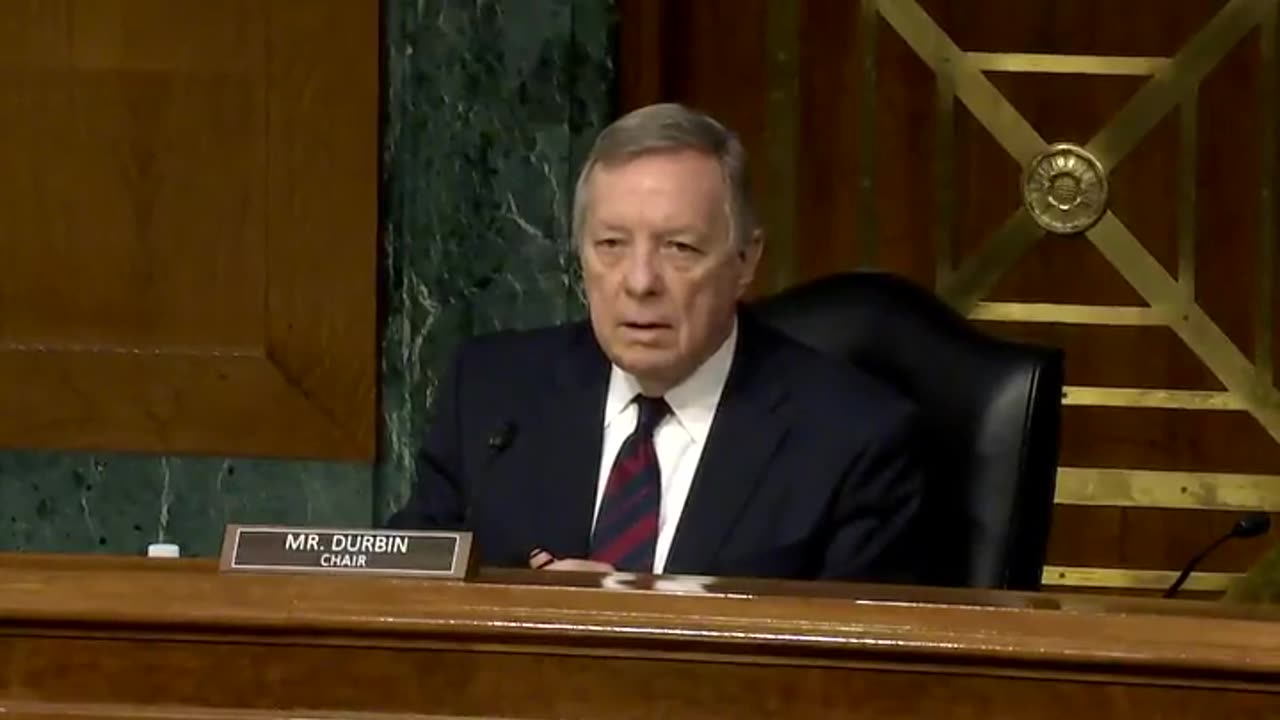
[(991, 411)]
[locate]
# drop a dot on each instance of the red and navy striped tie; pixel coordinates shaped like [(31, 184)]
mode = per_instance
[(627, 527)]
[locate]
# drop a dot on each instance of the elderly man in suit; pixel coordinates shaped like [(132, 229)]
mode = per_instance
[(671, 433)]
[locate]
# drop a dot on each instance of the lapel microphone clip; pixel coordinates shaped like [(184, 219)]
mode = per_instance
[(503, 438)]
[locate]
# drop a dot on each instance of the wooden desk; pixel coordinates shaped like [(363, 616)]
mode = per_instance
[(116, 637)]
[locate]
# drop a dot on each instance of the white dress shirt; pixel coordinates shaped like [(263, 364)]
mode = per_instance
[(679, 439)]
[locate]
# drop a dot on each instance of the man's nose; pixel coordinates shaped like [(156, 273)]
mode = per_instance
[(641, 272)]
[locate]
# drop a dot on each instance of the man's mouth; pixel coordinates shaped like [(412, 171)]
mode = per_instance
[(645, 326)]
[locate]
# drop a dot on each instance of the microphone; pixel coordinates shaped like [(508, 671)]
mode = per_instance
[(498, 441), (503, 437), (1249, 526)]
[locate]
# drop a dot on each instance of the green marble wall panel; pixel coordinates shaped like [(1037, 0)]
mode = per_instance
[(490, 105), (73, 502)]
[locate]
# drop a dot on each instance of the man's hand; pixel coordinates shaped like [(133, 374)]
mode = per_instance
[(540, 559)]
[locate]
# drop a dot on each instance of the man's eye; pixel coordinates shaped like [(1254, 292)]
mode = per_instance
[(608, 243), (683, 248)]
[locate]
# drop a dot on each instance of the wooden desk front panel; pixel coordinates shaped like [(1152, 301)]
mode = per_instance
[(117, 638), (556, 684)]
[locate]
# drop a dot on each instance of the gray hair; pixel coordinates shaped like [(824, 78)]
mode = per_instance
[(670, 127)]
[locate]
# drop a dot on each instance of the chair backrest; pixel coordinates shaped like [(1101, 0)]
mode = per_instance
[(991, 411)]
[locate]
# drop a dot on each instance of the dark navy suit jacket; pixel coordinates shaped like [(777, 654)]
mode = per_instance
[(811, 468)]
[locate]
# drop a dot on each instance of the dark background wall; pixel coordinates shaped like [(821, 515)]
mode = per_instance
[(487, 106)]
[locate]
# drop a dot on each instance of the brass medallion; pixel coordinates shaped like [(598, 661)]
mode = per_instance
[(1065, 189)]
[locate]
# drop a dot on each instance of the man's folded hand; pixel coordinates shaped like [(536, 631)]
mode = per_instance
[(540, 559)]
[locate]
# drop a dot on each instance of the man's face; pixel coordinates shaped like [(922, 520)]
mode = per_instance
[(663, 276)]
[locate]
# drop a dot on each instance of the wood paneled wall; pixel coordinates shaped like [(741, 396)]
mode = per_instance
[(895, 134), (188, 223)]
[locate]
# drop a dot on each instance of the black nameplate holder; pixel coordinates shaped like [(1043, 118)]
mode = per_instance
[(336, 551)]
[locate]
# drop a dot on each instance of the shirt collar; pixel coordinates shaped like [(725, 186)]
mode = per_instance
[(693, 402)]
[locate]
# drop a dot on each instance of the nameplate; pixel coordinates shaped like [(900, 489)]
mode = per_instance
[(402, 553)]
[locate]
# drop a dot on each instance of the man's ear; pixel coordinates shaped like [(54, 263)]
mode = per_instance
[(750, 255)]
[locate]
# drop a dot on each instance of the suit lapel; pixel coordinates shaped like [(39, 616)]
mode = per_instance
[(568, 437), (744, 436)]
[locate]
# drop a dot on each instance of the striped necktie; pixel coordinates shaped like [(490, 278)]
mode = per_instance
[(626, 530)]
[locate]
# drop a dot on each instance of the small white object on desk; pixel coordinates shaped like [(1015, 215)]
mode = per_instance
[(163, 550)]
